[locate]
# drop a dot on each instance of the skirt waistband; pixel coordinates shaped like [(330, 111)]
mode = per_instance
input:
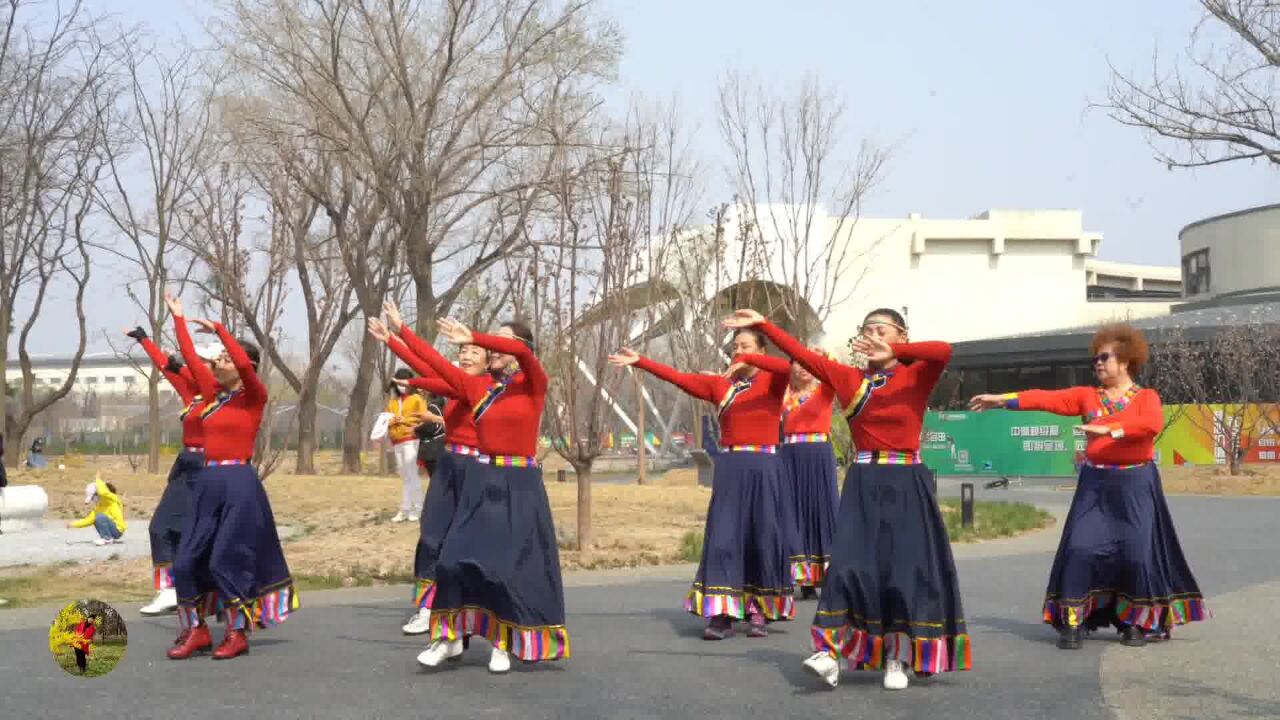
[(214, 463), (508, 460), (457, 449), (806, 438), (886, 457), (1105, 466), (192, 449), (770, 449)]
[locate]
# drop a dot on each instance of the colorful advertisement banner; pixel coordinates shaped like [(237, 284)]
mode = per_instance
[(1034, 444)]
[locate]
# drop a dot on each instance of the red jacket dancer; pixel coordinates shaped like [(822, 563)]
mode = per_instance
[(1119, 561), (744, 571), (230, 557), (890, 598)]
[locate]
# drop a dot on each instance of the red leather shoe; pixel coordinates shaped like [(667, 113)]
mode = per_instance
[(235, 643), (190, 642)]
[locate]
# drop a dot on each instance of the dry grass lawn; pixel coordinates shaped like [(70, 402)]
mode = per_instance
[(343, 534), (1216, 480)]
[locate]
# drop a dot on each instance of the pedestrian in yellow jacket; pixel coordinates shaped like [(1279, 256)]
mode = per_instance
[(407, 408), (107, 515)]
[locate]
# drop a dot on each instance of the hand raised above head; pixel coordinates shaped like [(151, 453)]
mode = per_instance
[(742, 319), (624, 357)]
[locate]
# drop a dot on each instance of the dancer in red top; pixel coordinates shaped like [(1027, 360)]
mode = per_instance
[(744, 571), (1119, 561), (171, 513), (809, 489), (83, 643), (462, 444), (230, 557), (499, 569), (890, 598)]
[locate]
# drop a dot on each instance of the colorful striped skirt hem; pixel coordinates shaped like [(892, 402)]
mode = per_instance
[(424, 592), (809, 571), (529, 644), (775, 604), (1150, 614), (866, 651)]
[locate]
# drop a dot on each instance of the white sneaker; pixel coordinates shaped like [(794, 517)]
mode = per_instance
[(398, 517), (101, 541), (420, 623), (895, 676), (166, 602), (439, 651), (499, 661), (413, 517), (825, 667)]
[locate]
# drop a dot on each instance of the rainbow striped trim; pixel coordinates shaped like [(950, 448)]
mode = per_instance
[(424, 593), (773, 604), (1146, 613), (768, 449), (162, 574), (193, 449), (862, 396), (866, 651), (886, 457), (1010, 401), (806, 438), (734, 391), (270, 608), (530, 644), (1104, 466), (508, 460), (190, 406), (1108, 407), (490, 397), (215, 463), (220, 399), (809, 571), (467, 450)]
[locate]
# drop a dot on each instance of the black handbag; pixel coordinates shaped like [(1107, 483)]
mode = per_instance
[(430, 438)]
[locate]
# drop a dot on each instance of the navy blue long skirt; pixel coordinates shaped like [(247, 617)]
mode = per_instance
[(499, 569), (437, 517), (744, 567), (891, 591), (170, 515), (230, 560), (810, 494), (1119, 561)]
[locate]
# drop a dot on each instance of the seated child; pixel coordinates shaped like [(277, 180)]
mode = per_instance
[(107, 515)]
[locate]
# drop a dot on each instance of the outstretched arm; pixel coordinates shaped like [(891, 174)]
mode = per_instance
[(1144, 423), (183, 384), (206, 383), (768, 363), (1071, 401), (845, 378), (535, 375), (255, 393), (704, 387), (445, 370)]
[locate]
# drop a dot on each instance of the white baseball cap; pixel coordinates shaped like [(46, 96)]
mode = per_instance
[(90, 491), (209, 351)]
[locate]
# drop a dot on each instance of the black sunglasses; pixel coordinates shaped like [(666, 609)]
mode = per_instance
[(1102, 357)]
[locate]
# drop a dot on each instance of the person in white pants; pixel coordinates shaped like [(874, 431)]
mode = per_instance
[(407, 409)]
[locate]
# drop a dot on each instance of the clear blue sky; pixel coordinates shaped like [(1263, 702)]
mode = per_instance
[(987, 102)]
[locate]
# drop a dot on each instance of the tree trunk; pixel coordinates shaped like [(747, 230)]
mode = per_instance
[(153, 422), (353, 427), (12, 442), (305, 463), (583, 471), (640, 424)]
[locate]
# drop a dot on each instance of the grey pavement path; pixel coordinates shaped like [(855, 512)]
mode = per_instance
[(55, 543), (636, 655)]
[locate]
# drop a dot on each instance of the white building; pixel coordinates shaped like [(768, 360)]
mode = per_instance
[(1000, 273), (100, 373)]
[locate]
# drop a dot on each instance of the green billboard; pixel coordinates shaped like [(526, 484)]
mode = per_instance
[(1001, 443)]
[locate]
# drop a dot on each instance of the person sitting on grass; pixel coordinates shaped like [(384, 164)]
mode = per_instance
[(107, 515)]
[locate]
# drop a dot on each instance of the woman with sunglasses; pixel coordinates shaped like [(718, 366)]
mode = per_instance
[(809, 489), (744, 571), (1119, 561), (462, 445), (230, 559), (890, 598), (498, 572), (171, 512)]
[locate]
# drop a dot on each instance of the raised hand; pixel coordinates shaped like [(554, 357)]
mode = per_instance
[(173, 303), (875, 349), (394, 319), (978, 403), (743, 319), (377, 329), (624, 357), (733, 369), (455, 332), (137, 333), (205, 326), (1094, 429)]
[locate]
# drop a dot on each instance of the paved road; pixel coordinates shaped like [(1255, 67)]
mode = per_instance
[(55, 543), (635, 655)]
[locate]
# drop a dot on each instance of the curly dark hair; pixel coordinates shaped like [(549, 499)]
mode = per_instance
[(1128, 342)]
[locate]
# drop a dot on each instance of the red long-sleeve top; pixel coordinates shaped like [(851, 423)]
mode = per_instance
[(231, 418), (753, 411), (183, 383), (84, 635), (802, 413), (459, 425), (1135, 420), (510, 410), (885, 409)]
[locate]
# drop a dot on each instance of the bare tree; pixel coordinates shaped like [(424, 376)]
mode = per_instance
[(1220, 103), (55, 121), (1229, 384), (798, 199), (150, 180)]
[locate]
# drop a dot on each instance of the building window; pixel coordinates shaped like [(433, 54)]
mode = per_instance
[(1195, 273), (91, 380), (129, 380), (109, 380)]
